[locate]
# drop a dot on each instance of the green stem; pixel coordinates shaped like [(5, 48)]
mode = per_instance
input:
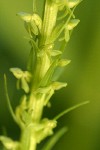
[(49, 21), (42, 65), (28, 139), (43, 61), (36, 104)]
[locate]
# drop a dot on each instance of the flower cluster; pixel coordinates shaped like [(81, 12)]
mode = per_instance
[(37, 81)]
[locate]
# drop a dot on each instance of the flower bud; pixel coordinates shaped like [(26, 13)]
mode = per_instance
[(73, 23), (64, 62), (25, 16), (9, 143), (17, 72), (58, 85), (72, 3)]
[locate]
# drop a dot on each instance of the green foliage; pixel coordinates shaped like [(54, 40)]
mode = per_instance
[(37, 81)]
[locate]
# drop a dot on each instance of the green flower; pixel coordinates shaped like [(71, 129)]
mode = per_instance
[(9, 144), (32, 22), (23, 78)]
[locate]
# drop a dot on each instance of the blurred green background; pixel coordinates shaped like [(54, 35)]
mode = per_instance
[(82, 75)]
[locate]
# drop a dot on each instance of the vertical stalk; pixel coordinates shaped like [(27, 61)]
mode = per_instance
[(28, 139), (43, 61), (49, 21), (28, 114), (36, 104), (36, 100)]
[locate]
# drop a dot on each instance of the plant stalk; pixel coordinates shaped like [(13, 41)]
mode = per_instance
[(43, 62)]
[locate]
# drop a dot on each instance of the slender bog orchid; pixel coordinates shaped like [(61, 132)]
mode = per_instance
[(37, 82)]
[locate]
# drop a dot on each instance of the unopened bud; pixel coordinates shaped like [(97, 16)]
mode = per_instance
[(73, 23)]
